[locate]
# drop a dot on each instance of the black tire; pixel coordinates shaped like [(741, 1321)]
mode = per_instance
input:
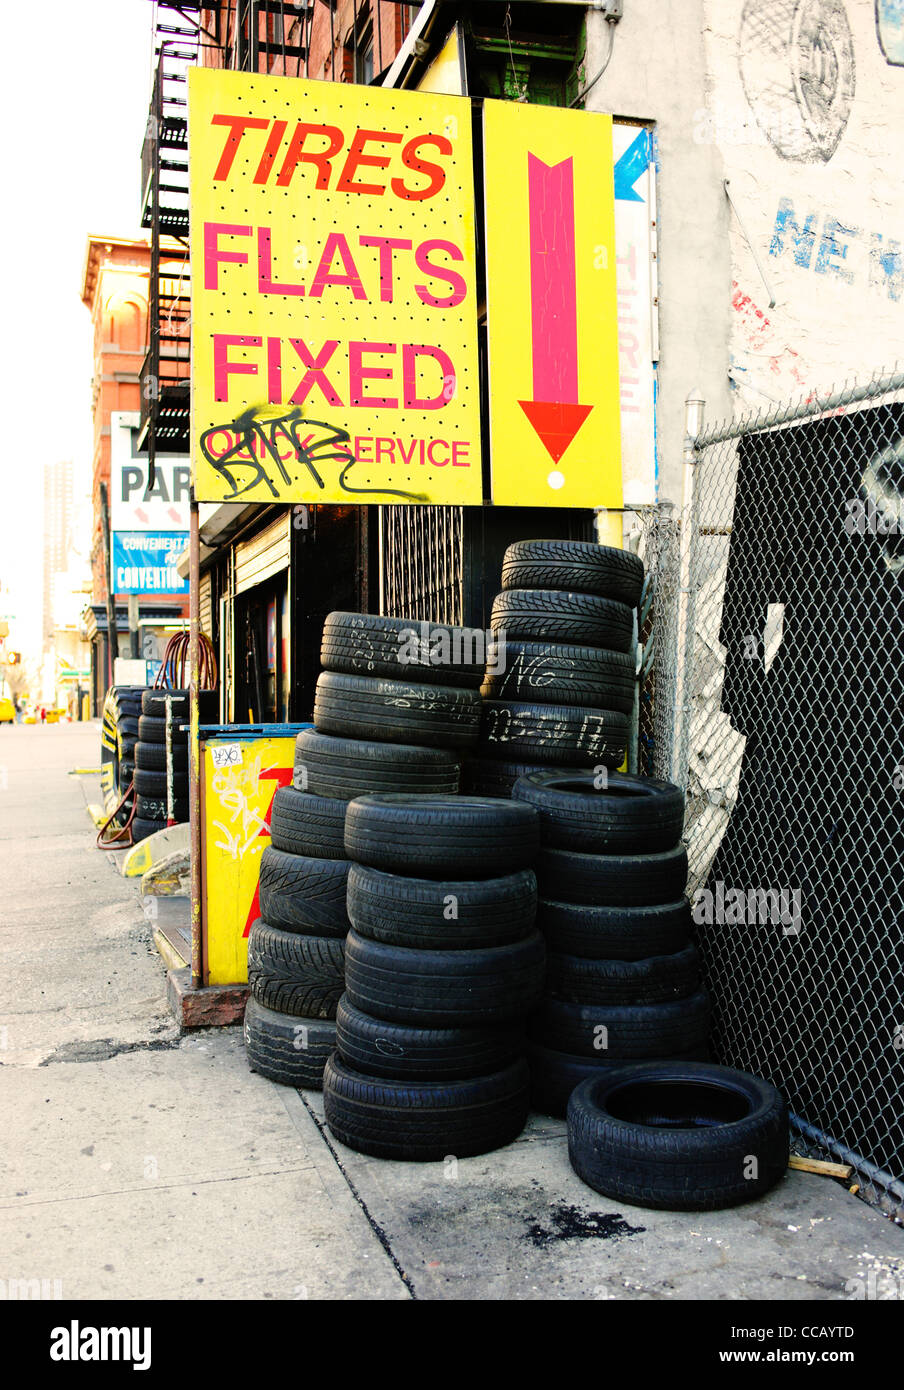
[(124, 773), (153, 730), (293, 974), (613, 880), (152, 756), (302, 894), (615, 814), (495, 776), (291, 1051), (416, 912), (153, 784), (363, 644), (346, 768), (153, 702), (550, 615), (155, 808), (624, 1031), (559, 675), (127, 727), (425, 1121), (304, 824), (653, 980), (405, 1053), (614, 933), (458, 836), (678, 1136), (444, 989), (554, 734), (554, 1075), (579, 565), (438, 716), (141, 828)]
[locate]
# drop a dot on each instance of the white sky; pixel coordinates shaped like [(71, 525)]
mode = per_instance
[(74, 105)]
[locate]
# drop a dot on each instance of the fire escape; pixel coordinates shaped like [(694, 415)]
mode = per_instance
[(164, 212), (234, 34)]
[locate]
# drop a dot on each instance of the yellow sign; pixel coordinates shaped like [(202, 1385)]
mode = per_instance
[(551, 307), (239, 783), (334, 316)]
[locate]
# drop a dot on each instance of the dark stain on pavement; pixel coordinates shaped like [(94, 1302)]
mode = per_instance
[(570, 1223)]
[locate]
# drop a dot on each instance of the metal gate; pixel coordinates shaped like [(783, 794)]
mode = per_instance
[(421, 563), (776, 697)]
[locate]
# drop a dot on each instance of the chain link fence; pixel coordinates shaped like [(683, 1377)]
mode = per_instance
[(776, 698)]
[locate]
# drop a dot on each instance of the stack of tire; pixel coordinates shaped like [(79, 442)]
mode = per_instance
[(623, 977), (560, 689), (443, 964), (150, 770), (376, 730), (119, 733)]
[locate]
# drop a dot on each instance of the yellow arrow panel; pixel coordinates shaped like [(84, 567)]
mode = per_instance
[(551, 307)]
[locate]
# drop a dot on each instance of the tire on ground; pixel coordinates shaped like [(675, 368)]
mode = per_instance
[(555, 674), (612, 879), (441, 914), (582, 566), (401, 1051), (301, 823), (444, 989), (554, 733), (291, 1051), (624, 1031), (554, 1075), (616, 814), (153, 784), (551, 615), (678, 1136), (302, 894), (345, 768), (425, 1121), (293, 974), (432, 836), (396, 711), (363, 644)]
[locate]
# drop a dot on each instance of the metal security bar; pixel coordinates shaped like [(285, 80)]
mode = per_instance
[(776, 698), (421, 563)]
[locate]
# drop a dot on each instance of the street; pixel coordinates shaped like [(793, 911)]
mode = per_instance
[(139, 1164)]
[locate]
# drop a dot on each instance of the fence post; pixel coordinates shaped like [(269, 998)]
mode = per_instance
[(694, 407)]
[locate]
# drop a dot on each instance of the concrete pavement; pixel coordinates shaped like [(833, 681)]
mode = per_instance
[(140, 1164)]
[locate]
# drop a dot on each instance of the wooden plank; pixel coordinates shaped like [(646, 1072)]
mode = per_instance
[(818, 1165)]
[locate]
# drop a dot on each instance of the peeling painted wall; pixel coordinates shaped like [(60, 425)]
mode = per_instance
[(806, 109), (800, 105)]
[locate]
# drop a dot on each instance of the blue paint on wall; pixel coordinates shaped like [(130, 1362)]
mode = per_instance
[(630, 166), (801, 237), (890, 27)]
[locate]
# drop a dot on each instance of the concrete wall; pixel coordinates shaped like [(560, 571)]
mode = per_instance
[(806, 113), (658, 73)]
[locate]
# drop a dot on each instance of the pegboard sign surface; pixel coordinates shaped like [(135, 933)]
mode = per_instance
[(334, 321)]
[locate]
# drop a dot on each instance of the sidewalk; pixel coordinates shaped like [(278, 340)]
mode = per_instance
[(139, 1164)]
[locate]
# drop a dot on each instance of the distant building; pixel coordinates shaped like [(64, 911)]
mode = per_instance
[(57, 534)]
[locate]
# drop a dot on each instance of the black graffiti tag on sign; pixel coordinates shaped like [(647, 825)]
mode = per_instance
[(265, 443)]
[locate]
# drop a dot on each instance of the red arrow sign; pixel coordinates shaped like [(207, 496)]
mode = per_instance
[(554, 411)]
